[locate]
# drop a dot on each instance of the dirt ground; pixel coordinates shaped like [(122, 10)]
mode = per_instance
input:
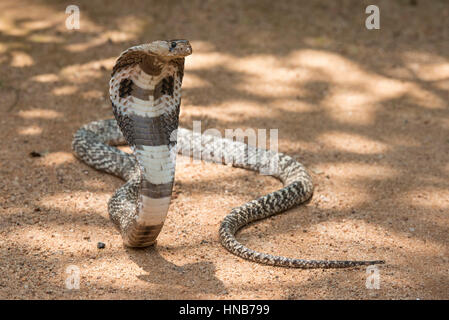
[(366, 111)]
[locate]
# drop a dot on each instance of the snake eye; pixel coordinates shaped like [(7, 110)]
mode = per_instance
[(173, 44)]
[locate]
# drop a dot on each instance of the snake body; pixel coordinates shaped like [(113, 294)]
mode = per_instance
[(145, 92)]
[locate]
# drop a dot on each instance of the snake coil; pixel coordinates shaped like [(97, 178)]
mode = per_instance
[(145, 92)]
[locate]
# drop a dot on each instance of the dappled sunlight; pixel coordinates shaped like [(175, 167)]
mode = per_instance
[(46, 77), (30, 131), (195, 169), (352, 98), (203, 46), (46, 38), (294, 105), (193, 81), (87, 201), (372, 88), (13, 46), (21, 59), (366, 112), (131, 26), (64, 90), (426, 66), (3, 48), (321, 41), (58, 158), (442, 85), (48, 263), (348, 230), (87, 72), (266, 66), (35, 237), (268, 76), (8, 27), (357, 171), (432, 71), (34, 25), (444, 122), (228, 111), (95, 184), (66, 243), (17, 21), (342, 71), (93, 94), (427, 197), (39, 114), (354, 143), (404, 141), (206, 60), (425, 98), (411, 246), (115, 36), (327, 200), (351, 107)]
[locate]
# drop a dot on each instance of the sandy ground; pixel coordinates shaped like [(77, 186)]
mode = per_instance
[(366, 111)]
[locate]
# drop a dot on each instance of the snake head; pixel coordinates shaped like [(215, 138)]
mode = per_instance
[(170, 49), (152, 56)]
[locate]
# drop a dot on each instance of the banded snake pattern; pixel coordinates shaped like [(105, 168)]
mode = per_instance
[(145, 92)]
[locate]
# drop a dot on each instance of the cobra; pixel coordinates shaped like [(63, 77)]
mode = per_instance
[(145, 92)]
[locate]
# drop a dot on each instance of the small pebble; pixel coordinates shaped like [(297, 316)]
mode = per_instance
[(35, 154), (101, 245)]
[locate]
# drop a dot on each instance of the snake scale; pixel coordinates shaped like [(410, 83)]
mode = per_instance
[(145, 92)]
